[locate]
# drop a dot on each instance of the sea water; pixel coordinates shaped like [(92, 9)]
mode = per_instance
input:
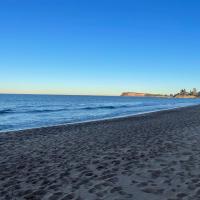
[(19, 112)]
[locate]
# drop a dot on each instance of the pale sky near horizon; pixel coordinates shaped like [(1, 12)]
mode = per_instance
[(99, 47)]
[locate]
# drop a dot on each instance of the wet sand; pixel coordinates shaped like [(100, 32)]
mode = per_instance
[(148, 157)]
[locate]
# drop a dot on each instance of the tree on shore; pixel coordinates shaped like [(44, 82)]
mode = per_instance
[(183, 92)]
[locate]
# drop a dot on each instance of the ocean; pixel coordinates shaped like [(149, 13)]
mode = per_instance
[(18, 112)]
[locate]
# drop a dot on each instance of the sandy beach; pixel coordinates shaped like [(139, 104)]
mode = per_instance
[(148, 157)]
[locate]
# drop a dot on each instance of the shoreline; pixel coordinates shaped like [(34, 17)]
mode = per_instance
[(149, 156), (98, 120)]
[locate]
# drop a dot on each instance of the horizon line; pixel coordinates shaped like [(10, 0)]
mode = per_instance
[(57, 94)]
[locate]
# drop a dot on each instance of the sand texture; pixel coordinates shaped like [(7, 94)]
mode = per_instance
[(148, 157)]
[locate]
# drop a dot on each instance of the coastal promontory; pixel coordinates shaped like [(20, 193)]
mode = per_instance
[(140, 94), (182, 94)]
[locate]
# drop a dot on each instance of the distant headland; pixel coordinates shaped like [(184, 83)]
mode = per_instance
[(182, 94), (136, 94)]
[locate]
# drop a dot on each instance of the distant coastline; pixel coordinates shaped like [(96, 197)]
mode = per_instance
[(140, 94), (182, 94)]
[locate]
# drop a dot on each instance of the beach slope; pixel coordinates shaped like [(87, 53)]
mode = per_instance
[(148, 157)]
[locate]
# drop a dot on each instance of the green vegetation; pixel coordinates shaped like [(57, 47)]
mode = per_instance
[(183, 93)]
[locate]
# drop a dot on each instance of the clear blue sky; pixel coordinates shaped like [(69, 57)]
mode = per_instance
[(99, 46)]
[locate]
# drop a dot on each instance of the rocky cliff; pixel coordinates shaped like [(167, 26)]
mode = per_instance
[(134, 94)]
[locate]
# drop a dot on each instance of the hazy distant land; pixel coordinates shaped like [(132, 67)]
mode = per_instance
[(182, 94), (137, 94)]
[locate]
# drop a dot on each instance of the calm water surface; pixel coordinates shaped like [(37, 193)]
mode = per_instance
[(28, 111)]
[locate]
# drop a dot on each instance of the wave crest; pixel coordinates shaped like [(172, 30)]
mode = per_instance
[(4, 111)]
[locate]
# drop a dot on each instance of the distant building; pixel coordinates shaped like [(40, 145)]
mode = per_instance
[(194, 92)]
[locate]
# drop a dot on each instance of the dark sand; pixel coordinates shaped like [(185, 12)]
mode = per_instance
[(148, 157)]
